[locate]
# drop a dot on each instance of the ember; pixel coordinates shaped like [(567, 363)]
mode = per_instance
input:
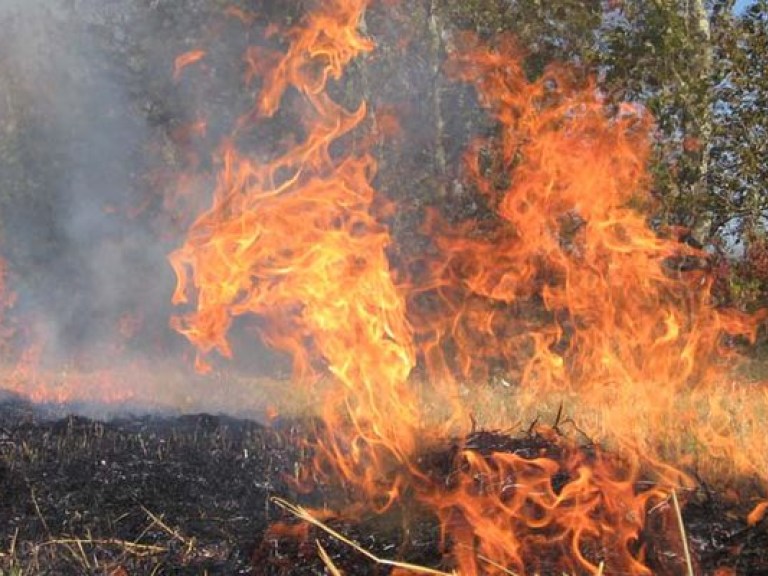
[(185, 60)]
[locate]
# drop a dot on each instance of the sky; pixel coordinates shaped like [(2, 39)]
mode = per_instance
[(741, 5)]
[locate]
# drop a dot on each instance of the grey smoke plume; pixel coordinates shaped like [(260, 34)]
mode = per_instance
[(80, 108), (88, 109)]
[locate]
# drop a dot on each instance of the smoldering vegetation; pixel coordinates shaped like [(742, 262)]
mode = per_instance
[(136, 496)]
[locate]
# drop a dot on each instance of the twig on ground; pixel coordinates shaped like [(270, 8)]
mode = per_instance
[(159, 521), (496, 565), (78, 554), (83, 555), (131, 547), (37, 509), (303, 514), (12, 550), (680, 524), (327, 560)]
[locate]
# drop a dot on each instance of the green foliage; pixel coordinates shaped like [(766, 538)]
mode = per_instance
[(657, 53), (700, 70), (562, 30), (739, 144)]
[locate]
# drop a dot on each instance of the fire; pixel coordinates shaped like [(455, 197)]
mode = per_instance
[(617, 322), (510, 511), (186, 59), (568, 291), (757, 513), (67, 385), (294, 241)]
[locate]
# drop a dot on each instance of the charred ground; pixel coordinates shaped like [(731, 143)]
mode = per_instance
[(191, 495)]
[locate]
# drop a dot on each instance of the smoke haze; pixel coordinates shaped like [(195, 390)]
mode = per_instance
[(94, 136)]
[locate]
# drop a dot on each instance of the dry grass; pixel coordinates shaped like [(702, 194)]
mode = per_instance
[(683, 536), (304, 515)]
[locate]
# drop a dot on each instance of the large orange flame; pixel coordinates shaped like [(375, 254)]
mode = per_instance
[(293, 240), (566, 288), (611, 311), (622, 318)]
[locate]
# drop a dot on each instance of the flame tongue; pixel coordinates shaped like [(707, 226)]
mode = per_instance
[(567, 233), (541, 515), (293, 241)]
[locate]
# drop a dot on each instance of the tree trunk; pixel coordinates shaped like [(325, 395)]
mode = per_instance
[(698, 16)]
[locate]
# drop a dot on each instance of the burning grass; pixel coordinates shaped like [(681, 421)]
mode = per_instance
[(153, 387)]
